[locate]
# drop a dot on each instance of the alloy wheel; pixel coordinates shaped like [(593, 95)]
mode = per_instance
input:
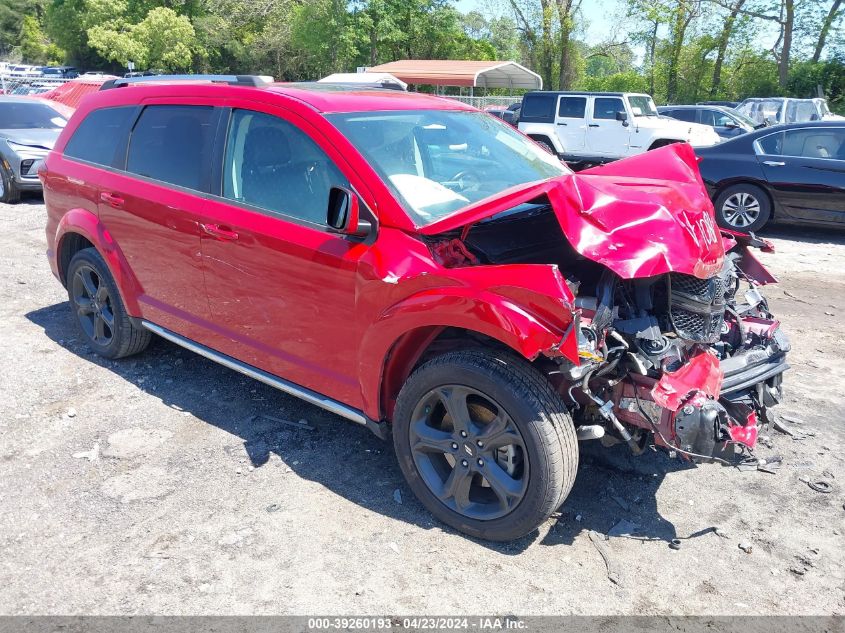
[(93, 305), (741, 209), (469, 452)]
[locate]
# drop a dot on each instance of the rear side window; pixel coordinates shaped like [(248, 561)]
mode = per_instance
[(98, 136), (173, 143), (538, 108), (572, 107), (606, 108), (684, 115)]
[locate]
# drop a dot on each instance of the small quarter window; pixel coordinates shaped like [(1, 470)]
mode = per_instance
[(99, 135)]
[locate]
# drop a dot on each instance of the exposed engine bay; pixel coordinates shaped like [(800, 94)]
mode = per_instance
[(690, 363)]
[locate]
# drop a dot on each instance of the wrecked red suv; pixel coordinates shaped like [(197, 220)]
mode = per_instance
[(412, 264)]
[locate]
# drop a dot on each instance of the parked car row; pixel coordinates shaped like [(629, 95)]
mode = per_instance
[(785, 162), (26, 70)]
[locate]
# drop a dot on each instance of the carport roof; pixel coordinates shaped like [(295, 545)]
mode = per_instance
[(457, 72)]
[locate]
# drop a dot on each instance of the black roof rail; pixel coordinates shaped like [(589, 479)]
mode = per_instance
[(232, 80)]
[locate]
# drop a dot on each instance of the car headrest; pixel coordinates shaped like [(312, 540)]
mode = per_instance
[(266, 145)]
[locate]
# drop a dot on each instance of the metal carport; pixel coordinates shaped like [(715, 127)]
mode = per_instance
[(462, 73)]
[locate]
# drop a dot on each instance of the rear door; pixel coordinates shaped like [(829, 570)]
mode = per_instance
[(806, 170), (607, 137), (281, 285), (571, 123), (151, 209)]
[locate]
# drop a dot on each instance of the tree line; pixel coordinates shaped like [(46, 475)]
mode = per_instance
[(677, 50)]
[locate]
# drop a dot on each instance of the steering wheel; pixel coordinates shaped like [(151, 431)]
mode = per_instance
[(466, 180)]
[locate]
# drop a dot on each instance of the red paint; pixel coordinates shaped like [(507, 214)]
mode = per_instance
[(745, 433), (637, 227), (347, 317), (701, 374)]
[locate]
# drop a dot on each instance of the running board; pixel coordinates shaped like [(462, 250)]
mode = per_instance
[(312, 397)]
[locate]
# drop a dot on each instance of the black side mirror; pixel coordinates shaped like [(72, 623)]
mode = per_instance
[(344, 214), (622, 116)]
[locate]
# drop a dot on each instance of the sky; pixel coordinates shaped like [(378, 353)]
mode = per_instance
[(598, 14)]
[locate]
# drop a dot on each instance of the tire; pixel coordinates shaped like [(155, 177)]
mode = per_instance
[(543, 142), (98, 308), (743, 207), (10, 193), (536, 472)]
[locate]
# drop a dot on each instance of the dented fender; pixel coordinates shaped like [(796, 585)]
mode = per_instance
[(527, 307)]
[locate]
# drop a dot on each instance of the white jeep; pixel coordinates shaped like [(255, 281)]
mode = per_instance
[(597, 127)]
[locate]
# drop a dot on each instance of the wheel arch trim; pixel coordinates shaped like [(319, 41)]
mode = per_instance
[(84, 223)]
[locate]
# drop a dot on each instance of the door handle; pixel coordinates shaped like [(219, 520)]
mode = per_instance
[(774, 163), (594, 125), (563, 124), (219, 232), (112, 200)]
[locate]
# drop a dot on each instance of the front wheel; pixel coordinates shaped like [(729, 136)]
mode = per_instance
[(9, 192), (485, 443), (743, 207)]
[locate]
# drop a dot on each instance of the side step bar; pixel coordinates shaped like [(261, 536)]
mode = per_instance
[(293, 389)]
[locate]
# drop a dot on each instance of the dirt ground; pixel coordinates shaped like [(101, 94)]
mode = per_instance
[(153, 486)]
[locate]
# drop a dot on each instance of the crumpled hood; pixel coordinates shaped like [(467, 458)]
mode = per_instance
[(635, 225), (36, 137)]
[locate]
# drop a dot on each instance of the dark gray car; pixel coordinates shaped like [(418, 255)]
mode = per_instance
[(28, 130), (727, 122)]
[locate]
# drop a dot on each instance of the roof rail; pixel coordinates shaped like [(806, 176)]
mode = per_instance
[(232, 80)]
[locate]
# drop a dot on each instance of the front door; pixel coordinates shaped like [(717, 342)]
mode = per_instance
[(806, 170), (281, 286), (151, 210), (607, 137)]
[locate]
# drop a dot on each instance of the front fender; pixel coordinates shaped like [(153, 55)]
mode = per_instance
[(527, 307), (85, 223)]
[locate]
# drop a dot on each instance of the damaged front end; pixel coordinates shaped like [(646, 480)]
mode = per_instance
[(676, 345)]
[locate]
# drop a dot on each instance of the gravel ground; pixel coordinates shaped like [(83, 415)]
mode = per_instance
[(153, 485)]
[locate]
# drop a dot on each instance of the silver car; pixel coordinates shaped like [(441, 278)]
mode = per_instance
[(28, 130)]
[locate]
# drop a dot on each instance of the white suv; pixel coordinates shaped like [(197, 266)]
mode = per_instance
[(596, 127)]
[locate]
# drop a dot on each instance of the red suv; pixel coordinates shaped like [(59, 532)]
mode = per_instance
[(410, 263)]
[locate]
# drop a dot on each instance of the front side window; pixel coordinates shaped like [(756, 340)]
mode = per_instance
[(98, 136), (172, 143), (273, 165), (438, 161), (606, 108)]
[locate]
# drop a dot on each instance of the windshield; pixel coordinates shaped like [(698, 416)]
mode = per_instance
[(642, 106), (28, 116), (742, 118), (438, 161)]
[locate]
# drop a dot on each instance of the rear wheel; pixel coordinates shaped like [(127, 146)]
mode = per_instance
[(485, 443), (99, 310), (743, 207)]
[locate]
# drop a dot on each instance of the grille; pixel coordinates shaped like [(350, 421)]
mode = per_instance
[(697, 307)]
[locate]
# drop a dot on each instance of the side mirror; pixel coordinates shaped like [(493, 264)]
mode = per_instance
[(344, 216), (731, 124), (622, 116)]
